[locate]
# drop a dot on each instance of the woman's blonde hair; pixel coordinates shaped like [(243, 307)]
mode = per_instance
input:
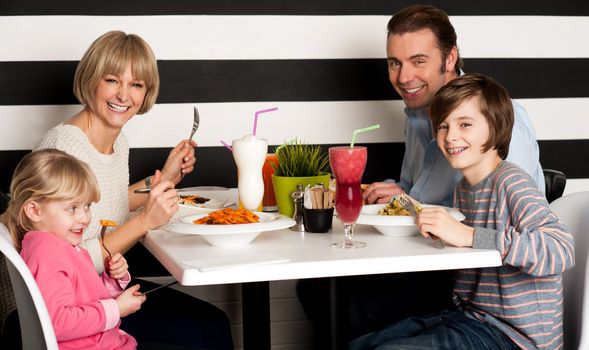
[(43, 176), (111, 53)]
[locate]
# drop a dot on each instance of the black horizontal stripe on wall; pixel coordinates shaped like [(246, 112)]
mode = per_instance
[(215, 165), (191, 81), (286, 7)]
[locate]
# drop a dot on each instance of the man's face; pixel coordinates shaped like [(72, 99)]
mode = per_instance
[(416, 68)]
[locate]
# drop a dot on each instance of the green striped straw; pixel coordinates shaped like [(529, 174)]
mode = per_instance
[(368, 128)]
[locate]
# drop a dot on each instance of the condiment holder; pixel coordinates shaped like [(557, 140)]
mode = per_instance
[(318, 209)]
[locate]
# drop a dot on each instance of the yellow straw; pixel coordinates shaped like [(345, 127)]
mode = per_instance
[(368, 128)]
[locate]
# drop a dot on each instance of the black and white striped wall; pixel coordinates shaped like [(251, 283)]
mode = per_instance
[(321, 62)]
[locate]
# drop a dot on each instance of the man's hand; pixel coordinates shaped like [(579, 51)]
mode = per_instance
[(381, 192)]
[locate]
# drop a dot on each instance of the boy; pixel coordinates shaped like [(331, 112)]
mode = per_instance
[(518, 304)]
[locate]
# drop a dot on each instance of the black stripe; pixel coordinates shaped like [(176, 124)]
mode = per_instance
[(216, 166), (35, 83), (286, 7)]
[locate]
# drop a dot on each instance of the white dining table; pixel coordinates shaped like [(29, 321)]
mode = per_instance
[(285, 254)]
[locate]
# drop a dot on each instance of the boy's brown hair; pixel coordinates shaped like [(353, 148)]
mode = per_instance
[(494, 103)]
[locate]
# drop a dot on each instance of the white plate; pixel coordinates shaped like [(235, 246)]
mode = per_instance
[(395, 225), (217, 198), (229, 235), (205, 188)]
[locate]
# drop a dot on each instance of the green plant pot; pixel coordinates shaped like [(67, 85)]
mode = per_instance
[(285, 185)]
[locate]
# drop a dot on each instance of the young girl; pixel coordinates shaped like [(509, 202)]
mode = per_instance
[(47, 215)]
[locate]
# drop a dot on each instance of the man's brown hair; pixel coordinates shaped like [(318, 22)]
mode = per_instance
[(418, 17), (494, 103)]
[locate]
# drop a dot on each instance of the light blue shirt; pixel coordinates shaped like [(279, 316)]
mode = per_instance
[(428, 177)]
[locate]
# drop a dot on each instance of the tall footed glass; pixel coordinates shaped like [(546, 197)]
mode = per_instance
[(347, 164)]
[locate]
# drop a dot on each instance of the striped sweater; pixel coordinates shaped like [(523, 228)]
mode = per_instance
[(524, 297)]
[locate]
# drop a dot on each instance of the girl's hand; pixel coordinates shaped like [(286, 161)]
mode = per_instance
[(181, 161), (117, 266), (161, 203), (130, 300), (438, 222)]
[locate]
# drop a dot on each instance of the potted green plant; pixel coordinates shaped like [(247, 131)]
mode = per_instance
[(298, 163)]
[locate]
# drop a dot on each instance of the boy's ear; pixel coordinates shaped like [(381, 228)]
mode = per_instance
[(32, 210)]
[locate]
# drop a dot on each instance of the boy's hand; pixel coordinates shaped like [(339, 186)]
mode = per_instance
[(438, 222), (117, 266), (130, 300)]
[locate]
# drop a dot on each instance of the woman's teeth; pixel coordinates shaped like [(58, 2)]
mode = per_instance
[(117, 108)]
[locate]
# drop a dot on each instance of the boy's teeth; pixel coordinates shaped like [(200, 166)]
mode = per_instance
[(456, 150), (117, 107)]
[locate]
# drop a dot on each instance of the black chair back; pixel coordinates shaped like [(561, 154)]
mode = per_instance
[(555, 182)]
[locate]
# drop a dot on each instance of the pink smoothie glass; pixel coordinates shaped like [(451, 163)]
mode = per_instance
[(347, 164)]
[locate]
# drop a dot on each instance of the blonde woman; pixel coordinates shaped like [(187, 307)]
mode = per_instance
[(116, 79)]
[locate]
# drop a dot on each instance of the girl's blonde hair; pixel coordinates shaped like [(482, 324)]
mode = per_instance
[(43, 176), (111, 53)]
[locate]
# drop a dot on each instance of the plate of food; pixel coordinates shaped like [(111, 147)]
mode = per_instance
[(229, 227), (391, 220), (201, 197), (198, 201)]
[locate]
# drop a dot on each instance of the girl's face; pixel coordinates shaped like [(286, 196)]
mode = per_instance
[(65, 218), (118, 98), (461, 137)]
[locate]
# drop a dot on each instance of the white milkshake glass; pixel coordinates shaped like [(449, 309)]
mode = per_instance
[(249, 153)]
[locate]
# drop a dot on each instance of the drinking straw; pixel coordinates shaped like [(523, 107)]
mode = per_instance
[(260, 112), (226, 145), (368, 128)]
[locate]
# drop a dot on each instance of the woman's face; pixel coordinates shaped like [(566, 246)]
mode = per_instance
[(118, 98)]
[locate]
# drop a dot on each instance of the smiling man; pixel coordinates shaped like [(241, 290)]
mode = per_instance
[(422, 57)]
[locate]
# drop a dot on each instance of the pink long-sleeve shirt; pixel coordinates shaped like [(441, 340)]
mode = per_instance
[(80, 302)]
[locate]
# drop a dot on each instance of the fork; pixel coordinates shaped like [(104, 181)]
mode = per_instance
[(414, 207), (160, 287), (102, 233), (195, 124)]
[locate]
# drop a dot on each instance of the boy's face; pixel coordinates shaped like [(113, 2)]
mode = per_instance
[(461, 137), (65, 218), (416, 68)]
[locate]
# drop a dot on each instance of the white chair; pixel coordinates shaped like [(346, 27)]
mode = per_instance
[(35, 324), (573, 211)]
